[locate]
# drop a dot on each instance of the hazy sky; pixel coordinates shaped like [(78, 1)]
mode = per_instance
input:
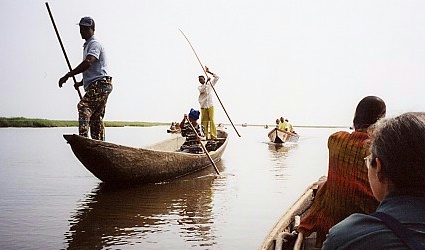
[(309, 61)]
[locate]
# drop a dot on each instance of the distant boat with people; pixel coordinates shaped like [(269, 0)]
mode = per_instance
[(283, 132), (174, 128)]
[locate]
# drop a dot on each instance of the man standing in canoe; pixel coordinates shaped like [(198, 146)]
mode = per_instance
[(96, 81), (207, 107)]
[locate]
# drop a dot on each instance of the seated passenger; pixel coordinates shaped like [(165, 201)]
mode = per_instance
[(396, 171), (277, 123), (177, 126), (290, 127), (193, 138), (283, 125), (173, 126), (347, 189)]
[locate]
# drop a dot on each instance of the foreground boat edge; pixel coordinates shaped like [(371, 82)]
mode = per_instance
[(300, 206)]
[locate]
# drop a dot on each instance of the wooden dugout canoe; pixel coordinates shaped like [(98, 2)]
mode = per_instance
[(173, 131), (113, 163), (288, 222), (279, 136)]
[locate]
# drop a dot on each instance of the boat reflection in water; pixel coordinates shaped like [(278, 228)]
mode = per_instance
[(278, 153), (146, 215)]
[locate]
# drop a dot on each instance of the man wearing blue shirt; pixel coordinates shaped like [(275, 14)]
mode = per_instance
[(96, 81)]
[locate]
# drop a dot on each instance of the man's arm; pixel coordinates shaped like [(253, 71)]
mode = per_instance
[(208, 71), (83, 66), (214, 81)]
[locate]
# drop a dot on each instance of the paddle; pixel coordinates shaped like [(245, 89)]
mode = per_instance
[(203, 147), (63, 50), (203, 69)]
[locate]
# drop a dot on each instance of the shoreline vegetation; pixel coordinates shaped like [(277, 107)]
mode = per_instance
[(23, 122)]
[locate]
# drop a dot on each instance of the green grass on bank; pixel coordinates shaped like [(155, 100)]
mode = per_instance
[(23, 122)]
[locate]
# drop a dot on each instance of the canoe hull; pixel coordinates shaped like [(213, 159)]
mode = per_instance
[(160, 162), (173, 131), (278, 136)]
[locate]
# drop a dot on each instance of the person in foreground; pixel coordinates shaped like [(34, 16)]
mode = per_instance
[(396, 172), (207, 106), (346, 190), (193, 138), (96, 81)]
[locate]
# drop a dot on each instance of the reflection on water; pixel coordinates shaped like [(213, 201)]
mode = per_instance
[(278, 154), (111, 216), (48, 200), (277, 151)]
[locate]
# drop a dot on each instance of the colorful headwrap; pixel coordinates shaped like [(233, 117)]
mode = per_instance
[(194, 114)]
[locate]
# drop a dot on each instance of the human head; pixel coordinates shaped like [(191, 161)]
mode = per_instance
[(193, 114), (201, 79), (86, 27), (398, 155), (281, 119), (368, 111), (277, 121), (87, 22)]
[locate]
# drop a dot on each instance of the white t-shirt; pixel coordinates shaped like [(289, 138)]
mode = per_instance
[(205, 96)]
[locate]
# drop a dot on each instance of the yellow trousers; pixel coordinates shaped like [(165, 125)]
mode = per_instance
[(207, 120)]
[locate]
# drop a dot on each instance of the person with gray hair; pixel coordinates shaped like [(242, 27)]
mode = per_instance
[(396, 172)]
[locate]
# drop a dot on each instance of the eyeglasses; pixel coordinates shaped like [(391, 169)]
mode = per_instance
[(368, 160)]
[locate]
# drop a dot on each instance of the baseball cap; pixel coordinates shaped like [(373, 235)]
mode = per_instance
[(86, 21)]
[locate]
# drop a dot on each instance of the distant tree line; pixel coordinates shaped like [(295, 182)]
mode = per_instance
[(22, 122)]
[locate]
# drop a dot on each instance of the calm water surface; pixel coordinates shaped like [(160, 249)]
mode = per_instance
[(48, 200)]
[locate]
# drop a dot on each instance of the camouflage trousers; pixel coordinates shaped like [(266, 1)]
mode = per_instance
[(91, 109)]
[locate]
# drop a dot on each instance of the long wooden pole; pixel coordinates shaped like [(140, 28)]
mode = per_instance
[(203, 147), (63, 49), (203, 69)]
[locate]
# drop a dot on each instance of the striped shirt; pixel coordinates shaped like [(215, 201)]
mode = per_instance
[(192, 145)]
